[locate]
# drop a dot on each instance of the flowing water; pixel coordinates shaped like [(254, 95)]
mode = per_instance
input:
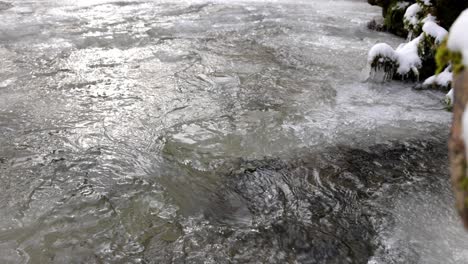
[(214, 132)]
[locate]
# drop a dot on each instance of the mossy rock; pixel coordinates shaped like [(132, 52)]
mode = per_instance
[(444, 57), (387, 4)]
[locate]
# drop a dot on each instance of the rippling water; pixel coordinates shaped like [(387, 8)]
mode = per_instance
[(214, 132)]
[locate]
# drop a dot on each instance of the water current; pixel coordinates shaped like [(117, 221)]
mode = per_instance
[(215, 132)]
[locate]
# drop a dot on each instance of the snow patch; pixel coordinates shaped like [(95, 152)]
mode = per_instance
[(382, 50), (442, 79), (449, 98), (434, 30), (429, 18), (458, 37), (411, 14), (408, 56)]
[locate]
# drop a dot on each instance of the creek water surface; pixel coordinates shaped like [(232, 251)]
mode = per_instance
[(214, 132)]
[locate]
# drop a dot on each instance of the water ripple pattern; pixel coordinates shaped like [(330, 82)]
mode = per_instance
[(214, 132)]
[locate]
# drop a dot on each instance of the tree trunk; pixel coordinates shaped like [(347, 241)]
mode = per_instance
[(458, 161)]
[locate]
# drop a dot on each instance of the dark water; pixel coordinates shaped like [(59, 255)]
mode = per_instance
[(214, 132)]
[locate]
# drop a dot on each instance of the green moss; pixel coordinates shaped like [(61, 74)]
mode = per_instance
[(444, 57), (463, 184)]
